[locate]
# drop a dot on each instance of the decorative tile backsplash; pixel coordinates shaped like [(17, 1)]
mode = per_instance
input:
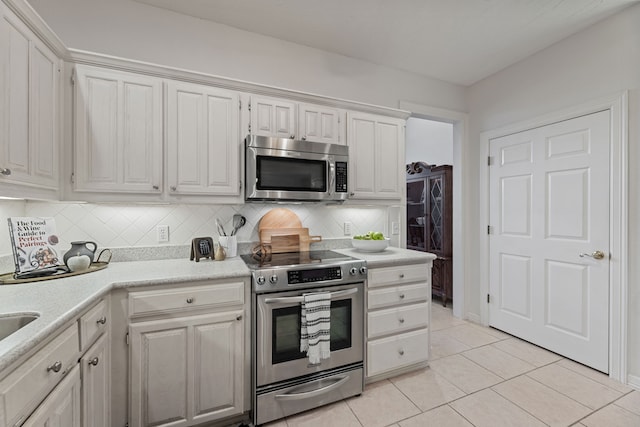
[(113, 225)]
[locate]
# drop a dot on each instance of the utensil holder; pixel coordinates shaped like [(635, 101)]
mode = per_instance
[(230, 245)]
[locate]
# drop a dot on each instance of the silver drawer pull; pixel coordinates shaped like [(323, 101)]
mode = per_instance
[(94, 361), (401, 320), (239, 317), (102, 320), (401, 296), (55, 367), (401, 352), (189, 300), (5, 171), (402, 275)]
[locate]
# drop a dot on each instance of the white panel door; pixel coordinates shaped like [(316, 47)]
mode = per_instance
[(118, 131), (549, 193), (320, 124), (203, 142), (273, 117), (96, 385)]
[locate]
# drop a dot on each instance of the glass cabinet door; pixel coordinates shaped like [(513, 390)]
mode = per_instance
[(435, 214), (417, 215)]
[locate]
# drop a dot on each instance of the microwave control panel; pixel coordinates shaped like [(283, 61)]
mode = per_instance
[(341, 177)]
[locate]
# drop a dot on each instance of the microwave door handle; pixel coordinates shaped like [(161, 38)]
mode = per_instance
[(284, 300), (332, 177)]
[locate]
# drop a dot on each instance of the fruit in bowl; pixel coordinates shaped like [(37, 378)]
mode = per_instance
[(373, 241)]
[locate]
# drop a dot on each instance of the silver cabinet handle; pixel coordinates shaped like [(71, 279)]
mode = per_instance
[(55, 367), (401, 320), (402, 275), (94, 361), (5, 171), (155, 187), (239, 317), (189, 300), (173, 188), (594, 255), (304, 138), (401, 296), (102, 320), (401, 352), (293, 137)]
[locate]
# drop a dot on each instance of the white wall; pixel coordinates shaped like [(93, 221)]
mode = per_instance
[(599, 61), (138, 31), (429, 141)]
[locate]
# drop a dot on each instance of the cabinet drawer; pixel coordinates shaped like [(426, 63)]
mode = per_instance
[(398, 275), (387, 354), (92, 324), (395, 295), (395, 320), (25, 387), (188, 298)]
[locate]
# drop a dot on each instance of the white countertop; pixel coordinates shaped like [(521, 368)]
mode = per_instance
[(59, 301), (389, 257)]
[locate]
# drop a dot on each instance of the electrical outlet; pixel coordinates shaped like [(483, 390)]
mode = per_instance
[(347, 228), (162, 232), (395, 228)]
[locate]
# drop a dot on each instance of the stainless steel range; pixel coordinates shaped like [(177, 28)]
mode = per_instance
[(283, 380)]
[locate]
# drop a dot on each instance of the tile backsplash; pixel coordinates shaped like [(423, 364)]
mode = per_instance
[(123, 226)]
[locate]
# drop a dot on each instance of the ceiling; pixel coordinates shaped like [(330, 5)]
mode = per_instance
[(458, 41)]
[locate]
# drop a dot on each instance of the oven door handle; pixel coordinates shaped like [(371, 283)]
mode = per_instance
[(313, 393), (285, 300)]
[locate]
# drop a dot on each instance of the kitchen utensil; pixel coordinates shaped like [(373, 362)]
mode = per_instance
[(221, 231), (280, 218), (238, 222)]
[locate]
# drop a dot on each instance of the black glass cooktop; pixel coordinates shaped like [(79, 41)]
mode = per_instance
[(289, 259)]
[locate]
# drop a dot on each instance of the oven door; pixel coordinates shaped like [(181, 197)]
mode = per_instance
[(277, 337)]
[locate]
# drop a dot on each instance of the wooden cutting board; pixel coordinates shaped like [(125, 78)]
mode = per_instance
[(286, 243), (267, 236), (280, 218)]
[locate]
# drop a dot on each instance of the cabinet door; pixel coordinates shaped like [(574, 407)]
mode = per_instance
[(29, 119), (203, 141), (118, 131), (320, 124), (62, 407), (96, 385), (187, 370), (376, 145), (273, 117)]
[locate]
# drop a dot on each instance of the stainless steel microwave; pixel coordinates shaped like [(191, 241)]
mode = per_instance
[(279, 169)]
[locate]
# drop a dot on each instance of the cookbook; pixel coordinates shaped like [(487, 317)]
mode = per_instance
[(35, 245)]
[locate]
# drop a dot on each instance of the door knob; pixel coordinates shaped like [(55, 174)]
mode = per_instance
[(595, 255)]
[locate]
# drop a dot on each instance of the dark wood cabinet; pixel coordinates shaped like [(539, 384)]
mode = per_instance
[(429, 225)]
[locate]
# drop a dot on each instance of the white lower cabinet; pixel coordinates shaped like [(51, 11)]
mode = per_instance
[(62, 407), (398, 319), (96, 391), (187, 369)]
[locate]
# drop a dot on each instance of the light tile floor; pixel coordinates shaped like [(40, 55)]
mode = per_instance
[(482, 377)]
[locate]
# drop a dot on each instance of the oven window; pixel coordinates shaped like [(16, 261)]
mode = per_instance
[(287, 174), (285, 341)]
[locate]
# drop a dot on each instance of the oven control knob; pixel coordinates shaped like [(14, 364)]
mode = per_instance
[(260, 280), (363, 270), (273, 279), (353, 271)]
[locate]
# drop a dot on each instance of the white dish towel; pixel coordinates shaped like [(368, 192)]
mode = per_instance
[(315, 330)]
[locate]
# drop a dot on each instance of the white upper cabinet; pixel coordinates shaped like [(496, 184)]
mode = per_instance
[(118, 131), (203, 142), (29, 118), (376, 153), (273, 117), (320, 124)]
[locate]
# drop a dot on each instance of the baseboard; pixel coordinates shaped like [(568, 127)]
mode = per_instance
[(473, 317), (633, 381)]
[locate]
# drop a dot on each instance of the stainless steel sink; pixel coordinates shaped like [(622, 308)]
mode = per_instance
[(9, 323)]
